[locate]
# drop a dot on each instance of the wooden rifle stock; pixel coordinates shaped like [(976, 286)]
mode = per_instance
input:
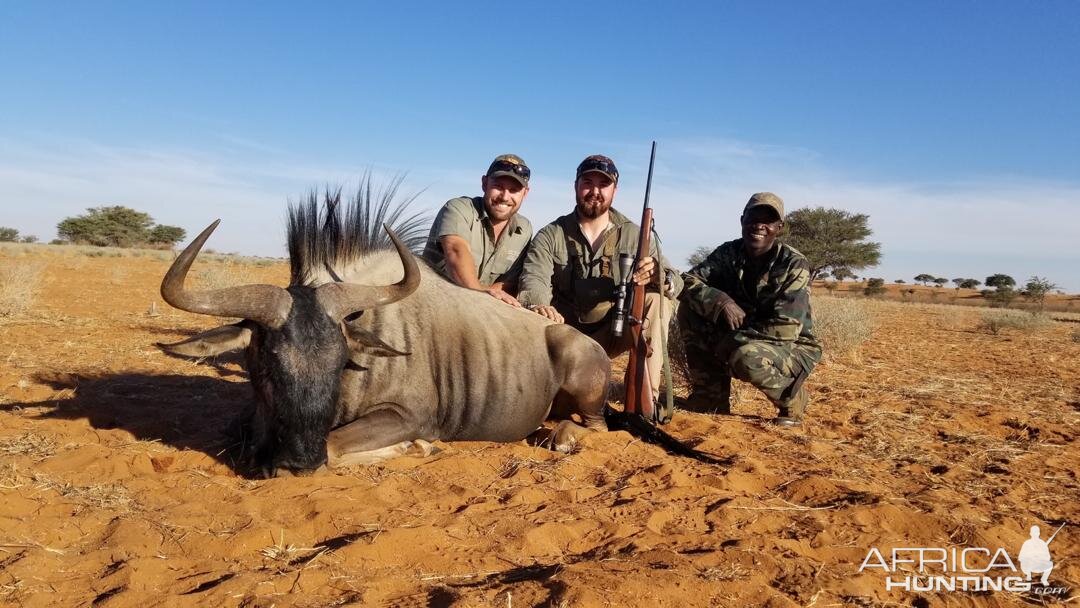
[(637, 382)]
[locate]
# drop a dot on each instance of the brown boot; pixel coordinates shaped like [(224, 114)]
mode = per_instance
[(791, 413)]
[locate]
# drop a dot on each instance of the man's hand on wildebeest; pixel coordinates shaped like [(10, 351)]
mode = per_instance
[(549, 312)]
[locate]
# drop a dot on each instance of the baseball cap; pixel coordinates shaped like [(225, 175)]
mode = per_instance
[(510, 165), (766, 199), (600, 164)]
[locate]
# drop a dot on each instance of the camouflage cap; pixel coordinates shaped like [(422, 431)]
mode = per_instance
[(600, 164), (766, 199), (510, 165)]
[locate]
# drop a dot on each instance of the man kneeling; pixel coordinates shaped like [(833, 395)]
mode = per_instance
[(746, 313)]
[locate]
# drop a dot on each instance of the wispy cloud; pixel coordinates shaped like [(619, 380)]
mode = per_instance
[(46, 180), (971, 226)]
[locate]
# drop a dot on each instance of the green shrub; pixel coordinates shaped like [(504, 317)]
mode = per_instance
[(874, 287)]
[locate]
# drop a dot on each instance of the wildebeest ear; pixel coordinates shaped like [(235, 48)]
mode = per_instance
[(369, 343), (213, 342)]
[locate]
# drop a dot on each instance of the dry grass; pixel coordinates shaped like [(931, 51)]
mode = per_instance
[(994, 321), (28, 444), (842, 325), (111, 496), (19, 282), (76, 252), (227, 274)]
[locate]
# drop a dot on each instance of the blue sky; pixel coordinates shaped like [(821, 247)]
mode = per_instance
[(955, 126)]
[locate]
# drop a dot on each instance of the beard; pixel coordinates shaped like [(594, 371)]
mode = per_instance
[(592, 207)]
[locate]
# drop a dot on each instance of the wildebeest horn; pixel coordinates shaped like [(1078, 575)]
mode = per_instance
[(265, 304), (340, 300)]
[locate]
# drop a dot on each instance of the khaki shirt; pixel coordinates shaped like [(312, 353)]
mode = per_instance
[(467, 218), (562, 270)]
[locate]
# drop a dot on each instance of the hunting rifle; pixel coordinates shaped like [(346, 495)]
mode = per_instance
[(637, 382)]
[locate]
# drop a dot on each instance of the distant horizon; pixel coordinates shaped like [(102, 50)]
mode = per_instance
[(284, 258)]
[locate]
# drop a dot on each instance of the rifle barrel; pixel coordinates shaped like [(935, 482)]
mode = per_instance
[(648, 182), (1051, 539)]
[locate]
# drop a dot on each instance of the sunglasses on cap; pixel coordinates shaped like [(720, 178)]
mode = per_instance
[(506, 166), (596, 164)]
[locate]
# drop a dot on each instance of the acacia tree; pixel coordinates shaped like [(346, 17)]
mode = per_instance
[(924, 278), (831, 239), (1036, 290), (939, 281), (165, 235), (1003, 293), (842, 274), (8, 235), (116, 226), (698, 256), (969, 284)]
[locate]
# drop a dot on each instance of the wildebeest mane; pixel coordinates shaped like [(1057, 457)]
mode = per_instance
[(329, 237)]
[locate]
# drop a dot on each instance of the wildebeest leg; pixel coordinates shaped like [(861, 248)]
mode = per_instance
[(380, 435), (585, 369)]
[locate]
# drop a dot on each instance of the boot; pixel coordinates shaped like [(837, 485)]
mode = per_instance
[(713, 399), (791, 413)]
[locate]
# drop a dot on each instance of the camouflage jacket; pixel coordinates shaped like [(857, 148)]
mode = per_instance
[(777, 306), (562, 269)]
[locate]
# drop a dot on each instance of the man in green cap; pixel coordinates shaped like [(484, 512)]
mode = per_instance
[(746, 313), (572, 268), (479, 242)]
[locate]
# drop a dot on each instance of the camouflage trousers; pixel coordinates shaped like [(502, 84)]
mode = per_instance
[(715, 354)]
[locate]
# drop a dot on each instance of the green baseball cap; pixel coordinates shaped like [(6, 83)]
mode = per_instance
[(766, 199), (510, 165), (598, 163)]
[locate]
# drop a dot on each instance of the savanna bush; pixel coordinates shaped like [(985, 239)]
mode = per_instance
[(19, 283), (842, 325), (994, 321)]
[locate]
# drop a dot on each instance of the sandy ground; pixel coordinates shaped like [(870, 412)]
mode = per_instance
[(115, 489)]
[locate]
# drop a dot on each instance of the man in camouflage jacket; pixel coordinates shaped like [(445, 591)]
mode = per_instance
[(746, 313)]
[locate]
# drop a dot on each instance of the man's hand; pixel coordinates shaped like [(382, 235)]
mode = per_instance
[(549, 312), (726, 308), (501, 295), (646, 272)]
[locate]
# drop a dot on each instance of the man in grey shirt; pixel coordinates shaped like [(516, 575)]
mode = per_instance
[(479, 242)]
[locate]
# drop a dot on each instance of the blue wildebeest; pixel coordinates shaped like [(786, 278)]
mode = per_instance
[(369, 354)]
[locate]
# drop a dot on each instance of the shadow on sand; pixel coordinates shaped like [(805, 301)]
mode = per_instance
[(198, 413)]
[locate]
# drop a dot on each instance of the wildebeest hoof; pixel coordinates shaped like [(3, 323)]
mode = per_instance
[(422, 449), (566, 436)]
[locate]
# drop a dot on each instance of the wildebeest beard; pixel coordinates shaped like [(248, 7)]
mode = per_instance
[(296, 373)]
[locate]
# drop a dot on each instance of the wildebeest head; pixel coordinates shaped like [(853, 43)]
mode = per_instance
[(297, 346)]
